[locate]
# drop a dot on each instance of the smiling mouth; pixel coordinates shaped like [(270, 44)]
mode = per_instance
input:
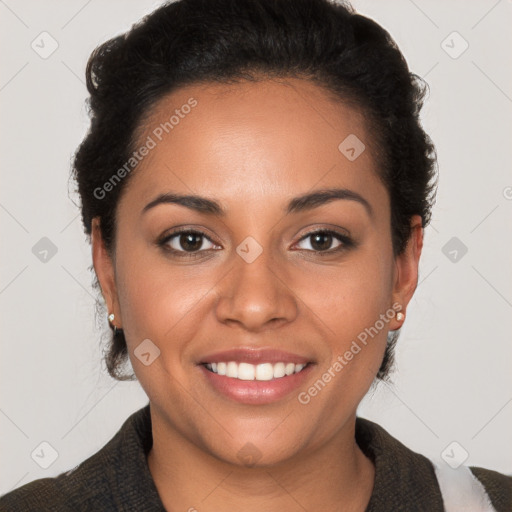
[(260, 372)]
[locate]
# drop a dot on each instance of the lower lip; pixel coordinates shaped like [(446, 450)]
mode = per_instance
[(256, 391)]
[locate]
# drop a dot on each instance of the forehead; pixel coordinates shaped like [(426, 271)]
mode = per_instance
[(253, 140)]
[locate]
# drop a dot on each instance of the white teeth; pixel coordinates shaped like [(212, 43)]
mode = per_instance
[(289, 369), (221, 368), (232, 370), (279, 370), (247, 371), (264, 371)]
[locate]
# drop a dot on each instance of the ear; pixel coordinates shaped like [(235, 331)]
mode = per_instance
[(104, 269), (406, 269)]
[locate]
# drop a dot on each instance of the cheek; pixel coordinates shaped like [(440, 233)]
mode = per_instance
[(166, 302), (350, 297), (354, 303), (155, 296), (350, 301)]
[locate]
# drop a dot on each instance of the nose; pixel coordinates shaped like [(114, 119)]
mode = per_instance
[(256, 295)]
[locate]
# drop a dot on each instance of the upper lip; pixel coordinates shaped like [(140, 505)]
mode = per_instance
[(254, 356)]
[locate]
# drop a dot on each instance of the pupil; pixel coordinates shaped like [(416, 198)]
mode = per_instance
[(187, 241), (321, 241)]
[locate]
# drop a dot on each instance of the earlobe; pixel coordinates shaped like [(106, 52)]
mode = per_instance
[(103, 266)]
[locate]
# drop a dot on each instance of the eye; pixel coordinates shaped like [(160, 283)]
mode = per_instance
[(190, 243), (186, 242), (322, 240)]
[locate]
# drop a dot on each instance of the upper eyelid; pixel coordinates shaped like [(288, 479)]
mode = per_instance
[(334, 231), (166, 238), (180, 231)]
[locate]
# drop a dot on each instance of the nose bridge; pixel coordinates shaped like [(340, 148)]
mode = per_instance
[(254, 293)]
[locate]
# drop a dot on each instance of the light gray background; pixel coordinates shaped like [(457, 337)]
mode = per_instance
[(454, 357)]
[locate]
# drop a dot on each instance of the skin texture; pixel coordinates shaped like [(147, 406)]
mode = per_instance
[(252, 147)]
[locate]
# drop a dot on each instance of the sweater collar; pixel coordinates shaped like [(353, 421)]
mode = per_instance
[(404, 480)]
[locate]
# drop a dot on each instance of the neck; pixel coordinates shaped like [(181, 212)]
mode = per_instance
[(334, 476)]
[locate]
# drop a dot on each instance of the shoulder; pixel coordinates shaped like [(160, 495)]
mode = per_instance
[(62, 493), (42, 494), (77, 489), (406, 480), (30, 496), (498, 487), (114, 478)]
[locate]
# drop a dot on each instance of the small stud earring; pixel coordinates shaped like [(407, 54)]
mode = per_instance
[(400, 316), (111, 317)]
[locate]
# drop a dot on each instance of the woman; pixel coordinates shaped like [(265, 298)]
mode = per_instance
[(256, 184)]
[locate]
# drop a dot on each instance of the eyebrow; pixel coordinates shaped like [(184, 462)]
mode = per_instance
[(296, 205)]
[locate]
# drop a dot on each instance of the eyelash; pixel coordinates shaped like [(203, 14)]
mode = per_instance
[(346, 242)]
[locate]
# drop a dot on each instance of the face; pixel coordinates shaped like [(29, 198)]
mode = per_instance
[(261, 271)]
